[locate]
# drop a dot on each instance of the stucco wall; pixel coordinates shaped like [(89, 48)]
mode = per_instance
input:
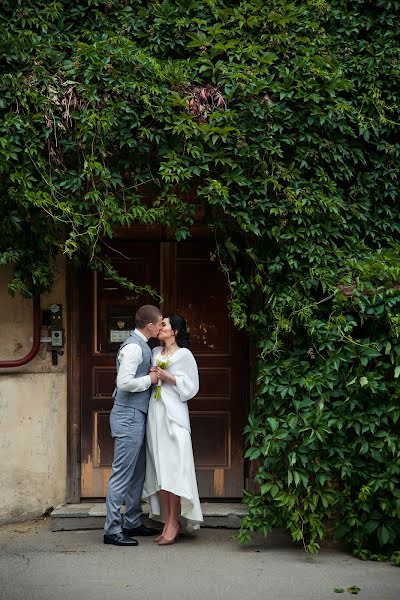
[(33, 410)]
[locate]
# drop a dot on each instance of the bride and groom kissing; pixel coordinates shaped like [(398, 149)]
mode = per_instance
[(150, 425)]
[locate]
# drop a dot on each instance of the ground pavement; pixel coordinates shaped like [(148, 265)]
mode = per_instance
[(38, 564)]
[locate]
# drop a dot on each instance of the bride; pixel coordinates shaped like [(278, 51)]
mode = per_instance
[(170, 485)]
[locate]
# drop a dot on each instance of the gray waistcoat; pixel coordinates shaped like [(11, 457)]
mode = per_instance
[(139, 400)]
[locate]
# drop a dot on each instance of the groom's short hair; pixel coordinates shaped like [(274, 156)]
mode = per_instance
[(147, 314)]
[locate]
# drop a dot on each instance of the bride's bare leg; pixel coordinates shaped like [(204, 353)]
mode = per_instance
[(172, 526), (165, 511)]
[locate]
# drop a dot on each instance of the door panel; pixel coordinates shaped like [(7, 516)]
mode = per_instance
[(218, 411), (108, 317), (192, 286)]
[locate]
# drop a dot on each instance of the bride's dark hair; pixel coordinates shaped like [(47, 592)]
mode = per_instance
[(178, 324)]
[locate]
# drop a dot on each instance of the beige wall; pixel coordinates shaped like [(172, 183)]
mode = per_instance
[(33, 410)]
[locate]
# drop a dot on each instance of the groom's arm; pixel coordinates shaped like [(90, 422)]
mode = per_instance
[(130, 357)]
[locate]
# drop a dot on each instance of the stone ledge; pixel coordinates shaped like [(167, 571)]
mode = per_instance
[(69, 517)]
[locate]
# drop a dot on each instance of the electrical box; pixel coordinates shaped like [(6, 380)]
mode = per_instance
[(56, 328)]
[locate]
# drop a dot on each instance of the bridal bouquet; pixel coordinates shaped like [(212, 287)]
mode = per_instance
[(163, 362)]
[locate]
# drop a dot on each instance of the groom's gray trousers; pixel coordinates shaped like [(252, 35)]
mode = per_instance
[(128, 428)]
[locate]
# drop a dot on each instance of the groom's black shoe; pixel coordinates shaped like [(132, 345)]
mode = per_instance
[(141, 530), (119, 539)]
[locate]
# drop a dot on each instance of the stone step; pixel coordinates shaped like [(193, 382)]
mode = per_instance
[(91, 515)]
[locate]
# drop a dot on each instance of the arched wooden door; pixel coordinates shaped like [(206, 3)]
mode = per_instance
[(191, 285)]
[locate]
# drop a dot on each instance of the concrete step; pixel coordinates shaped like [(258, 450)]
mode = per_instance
[(91, 515)]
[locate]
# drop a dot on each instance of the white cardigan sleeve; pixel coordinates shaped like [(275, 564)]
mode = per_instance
[(187, 376)]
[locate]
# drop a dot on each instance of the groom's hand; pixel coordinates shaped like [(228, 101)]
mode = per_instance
[(153, 377)]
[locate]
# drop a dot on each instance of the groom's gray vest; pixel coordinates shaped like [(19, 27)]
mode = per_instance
[(139, 400)]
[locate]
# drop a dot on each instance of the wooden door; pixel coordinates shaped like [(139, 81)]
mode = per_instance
[(192, 286)]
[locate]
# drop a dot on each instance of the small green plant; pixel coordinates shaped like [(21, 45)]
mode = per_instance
[(354, 589)]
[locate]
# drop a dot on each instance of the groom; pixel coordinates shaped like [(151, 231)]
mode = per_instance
[(128, 428)]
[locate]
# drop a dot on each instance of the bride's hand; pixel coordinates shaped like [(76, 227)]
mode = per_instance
[(162, 374), (152, 369), (165, 376)]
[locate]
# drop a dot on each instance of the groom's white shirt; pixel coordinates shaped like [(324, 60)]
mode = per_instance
[(130, 357)]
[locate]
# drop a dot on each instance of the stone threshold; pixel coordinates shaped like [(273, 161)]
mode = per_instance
[(91, 515)]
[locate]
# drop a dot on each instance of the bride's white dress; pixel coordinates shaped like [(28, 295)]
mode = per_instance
[(169, 452)]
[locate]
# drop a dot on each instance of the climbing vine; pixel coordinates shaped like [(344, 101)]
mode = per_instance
[(281, 119)]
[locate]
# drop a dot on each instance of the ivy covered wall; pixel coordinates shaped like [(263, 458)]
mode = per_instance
[(282, 118)]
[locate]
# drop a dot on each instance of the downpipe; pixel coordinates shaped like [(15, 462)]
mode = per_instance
[(7, 364)]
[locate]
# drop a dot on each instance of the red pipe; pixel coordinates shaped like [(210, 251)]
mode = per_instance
[(6, 364)]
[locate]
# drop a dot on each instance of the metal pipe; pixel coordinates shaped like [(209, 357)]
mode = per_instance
[(6, 364)]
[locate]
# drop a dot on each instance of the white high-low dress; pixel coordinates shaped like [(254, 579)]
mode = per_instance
[(169, 452)]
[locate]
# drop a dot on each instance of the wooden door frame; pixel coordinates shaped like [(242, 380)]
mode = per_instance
[(73, 488), (74, 371)]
